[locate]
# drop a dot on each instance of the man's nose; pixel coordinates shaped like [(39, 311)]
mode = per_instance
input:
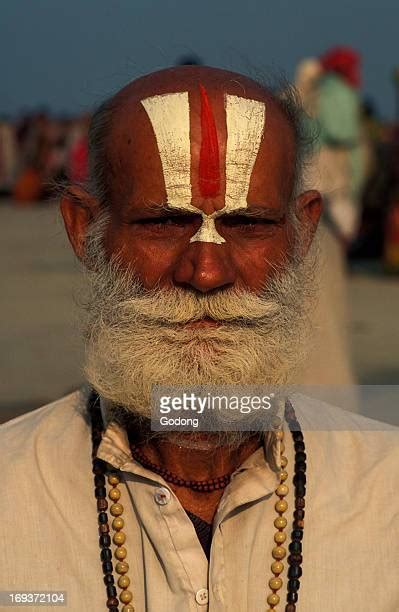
[(205, 266)]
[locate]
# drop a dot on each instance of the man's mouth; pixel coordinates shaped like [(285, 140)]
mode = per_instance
[(202, 323)]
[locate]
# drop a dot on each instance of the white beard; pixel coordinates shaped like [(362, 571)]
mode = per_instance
[(136, 338)]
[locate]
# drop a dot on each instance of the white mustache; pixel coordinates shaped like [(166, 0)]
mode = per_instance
[(179, 306)]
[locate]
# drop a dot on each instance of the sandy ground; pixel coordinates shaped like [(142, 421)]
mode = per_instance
[(41, 351)]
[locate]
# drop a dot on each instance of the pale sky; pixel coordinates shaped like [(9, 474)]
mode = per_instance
[(70, 54)]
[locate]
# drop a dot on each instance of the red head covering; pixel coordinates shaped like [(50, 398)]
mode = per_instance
[(345, 61)]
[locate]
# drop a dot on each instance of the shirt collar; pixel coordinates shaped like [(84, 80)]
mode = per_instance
[(114, 449)]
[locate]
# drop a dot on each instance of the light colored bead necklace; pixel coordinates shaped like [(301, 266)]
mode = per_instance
[(279, 552)]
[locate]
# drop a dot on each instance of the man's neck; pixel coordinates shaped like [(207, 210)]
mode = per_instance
[(190, 456), (200, 461)]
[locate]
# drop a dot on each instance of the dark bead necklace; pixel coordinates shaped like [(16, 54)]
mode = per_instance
[(299, 480), (99, 471), (203, 486), (101, 468)]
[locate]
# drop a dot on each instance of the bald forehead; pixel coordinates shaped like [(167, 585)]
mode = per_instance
[(133, 148), (186, 78)]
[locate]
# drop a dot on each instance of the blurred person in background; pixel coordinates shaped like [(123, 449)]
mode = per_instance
[(50, 149), (377, 189), (391, 238), (77, 157), (391, 235), (8, 156), (329, 87), (33, 152), (329, 361)]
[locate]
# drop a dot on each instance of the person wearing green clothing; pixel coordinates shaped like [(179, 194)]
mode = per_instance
[(332, 100)]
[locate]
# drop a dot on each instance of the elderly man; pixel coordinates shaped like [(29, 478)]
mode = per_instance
[(196, 231)]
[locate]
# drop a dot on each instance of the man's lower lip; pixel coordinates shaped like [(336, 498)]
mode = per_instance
[(202, 323)]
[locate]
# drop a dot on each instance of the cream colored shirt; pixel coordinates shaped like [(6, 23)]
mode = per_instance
[(49, 536)]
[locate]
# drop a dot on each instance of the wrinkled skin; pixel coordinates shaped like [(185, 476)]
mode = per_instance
[(159, 247)]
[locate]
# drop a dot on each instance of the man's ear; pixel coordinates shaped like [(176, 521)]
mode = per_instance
[(308, 207), (78, 208)]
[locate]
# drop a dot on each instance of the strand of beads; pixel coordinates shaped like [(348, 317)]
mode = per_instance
[(202, 486), (294, 560), (299, 480), (279, 552), (119, 538), (99, 468), (116, 509), (105, 540)]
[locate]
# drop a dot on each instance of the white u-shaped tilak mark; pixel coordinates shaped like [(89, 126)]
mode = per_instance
[(170, 118)]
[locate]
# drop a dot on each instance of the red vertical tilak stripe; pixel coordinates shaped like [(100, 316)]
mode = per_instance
[(209, 167)]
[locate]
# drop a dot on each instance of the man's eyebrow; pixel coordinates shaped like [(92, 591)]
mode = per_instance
[(165, 209), (263, 212), (268, 212)]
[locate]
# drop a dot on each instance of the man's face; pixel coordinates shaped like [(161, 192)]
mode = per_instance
[(162, 153), (200, 175)]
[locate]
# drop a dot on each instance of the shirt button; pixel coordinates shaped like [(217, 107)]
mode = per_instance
[(162, 496), (201, 597)]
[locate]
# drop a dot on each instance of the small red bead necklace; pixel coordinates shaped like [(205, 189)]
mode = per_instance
[(203, 486)]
